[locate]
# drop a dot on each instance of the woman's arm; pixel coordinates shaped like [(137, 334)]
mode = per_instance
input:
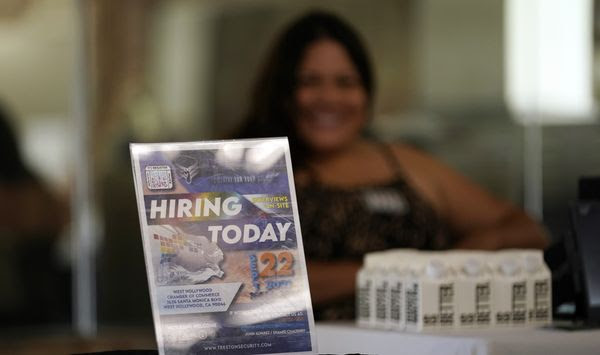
[(481, 220), (330, 281), (514, 230)]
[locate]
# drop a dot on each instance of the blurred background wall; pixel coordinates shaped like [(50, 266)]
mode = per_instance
[(182, 70)]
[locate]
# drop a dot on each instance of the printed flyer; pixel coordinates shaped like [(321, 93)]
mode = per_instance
[(223, 247)]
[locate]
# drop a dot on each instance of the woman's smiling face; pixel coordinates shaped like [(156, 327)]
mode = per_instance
[(330, 98)]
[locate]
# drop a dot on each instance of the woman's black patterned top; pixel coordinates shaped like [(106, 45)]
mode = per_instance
[(345, 224)]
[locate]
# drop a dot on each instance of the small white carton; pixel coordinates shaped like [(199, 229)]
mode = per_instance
[(397, 266), (539, 287), (430, 294), (473, 289), (510, 289), (381, 290), (366, 279)]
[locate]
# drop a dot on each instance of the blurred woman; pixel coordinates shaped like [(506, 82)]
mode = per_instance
[(355, 194)]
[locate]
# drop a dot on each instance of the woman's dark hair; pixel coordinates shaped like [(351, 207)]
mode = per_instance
[(272, 103), (12, 167)]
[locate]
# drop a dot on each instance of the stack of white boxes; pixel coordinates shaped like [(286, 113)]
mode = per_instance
[(406, 289)]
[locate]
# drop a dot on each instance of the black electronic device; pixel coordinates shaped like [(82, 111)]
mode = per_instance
[(585, 219), (589, 188), (575, 262)]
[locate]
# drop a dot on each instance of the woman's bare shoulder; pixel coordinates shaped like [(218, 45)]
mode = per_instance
[(414, 158), (421, 170), (429, 168)]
